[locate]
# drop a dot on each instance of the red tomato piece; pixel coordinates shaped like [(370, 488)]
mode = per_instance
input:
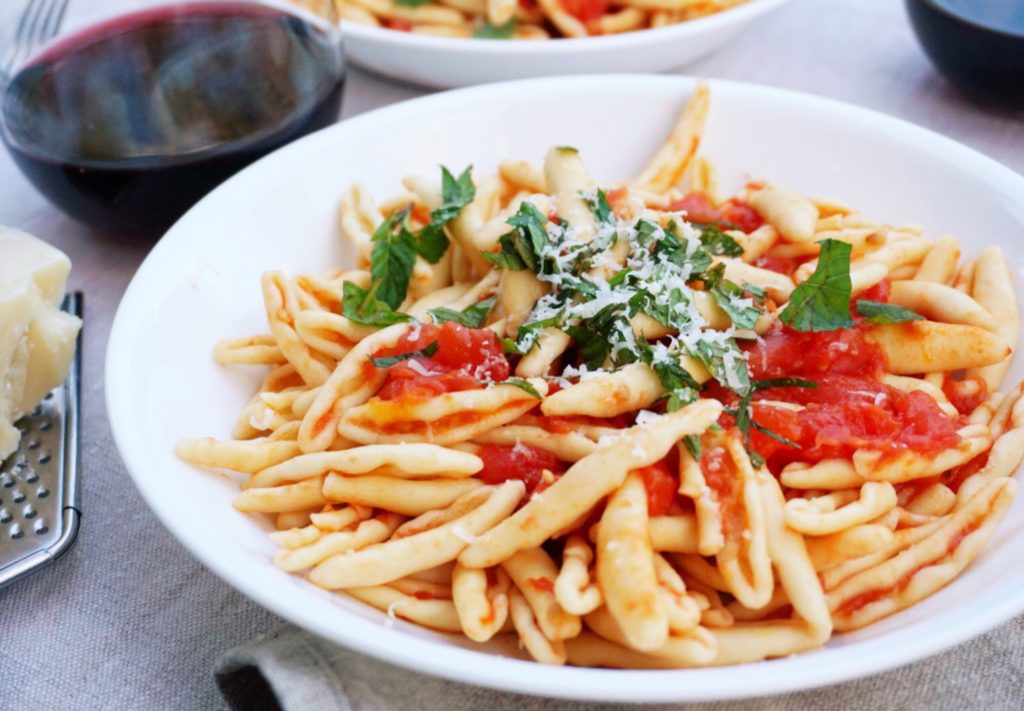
[(782, 265), (521, 462), (585, 10), (878, 292), (661, 488), (965, 393), (616, 196), (786, 352), (463, 358), (394, 23), (846, 413), (698, 208), (742, 215)]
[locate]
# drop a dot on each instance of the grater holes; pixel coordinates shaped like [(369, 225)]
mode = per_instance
[(32, 477), (42, 492), (46, 426), (34, 444), (5, 516), (6, 480), (44, 458), (29, 511), (16, 531), (40, 527), (18, 496)]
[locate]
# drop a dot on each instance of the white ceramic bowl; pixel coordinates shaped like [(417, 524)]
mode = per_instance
[(449, 62), (201, 283)]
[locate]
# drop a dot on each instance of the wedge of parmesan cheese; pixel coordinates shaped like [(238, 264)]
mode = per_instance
[(37, 339)]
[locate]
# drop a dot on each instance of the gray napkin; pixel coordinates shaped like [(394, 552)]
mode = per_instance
[(293, 670)]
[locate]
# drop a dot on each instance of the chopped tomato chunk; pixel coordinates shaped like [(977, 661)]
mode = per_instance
[(845, 413), (782, 265), (463, 357), (661, 488), (878, 292), (521, 462), (965, 393), (394, 23), (585, 10), (786, 352), (744, 217), (698, 208)]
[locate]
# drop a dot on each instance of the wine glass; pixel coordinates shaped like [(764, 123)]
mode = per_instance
[(126, 122)]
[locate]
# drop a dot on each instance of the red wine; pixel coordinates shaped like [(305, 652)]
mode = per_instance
[(127, 124)]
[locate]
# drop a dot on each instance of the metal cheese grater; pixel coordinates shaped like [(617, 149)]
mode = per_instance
[(39, 484)]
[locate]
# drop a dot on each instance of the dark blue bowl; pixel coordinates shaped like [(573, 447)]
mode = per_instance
[(978, 45)]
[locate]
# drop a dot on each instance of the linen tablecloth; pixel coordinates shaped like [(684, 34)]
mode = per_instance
[(128, 619)]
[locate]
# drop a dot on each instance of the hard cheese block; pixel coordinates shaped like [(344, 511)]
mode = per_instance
[(37, 340)]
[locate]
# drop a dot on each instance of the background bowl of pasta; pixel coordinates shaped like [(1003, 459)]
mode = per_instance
[(771, 148), (460, 47)]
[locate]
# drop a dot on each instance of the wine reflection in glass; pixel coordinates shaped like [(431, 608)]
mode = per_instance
[(125, 124)]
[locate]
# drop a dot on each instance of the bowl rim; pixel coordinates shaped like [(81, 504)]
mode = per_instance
[(950, 16), (734, 16), (464, 665)]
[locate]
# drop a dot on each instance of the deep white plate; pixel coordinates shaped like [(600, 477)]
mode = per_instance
[(201, 283), (452, 61)]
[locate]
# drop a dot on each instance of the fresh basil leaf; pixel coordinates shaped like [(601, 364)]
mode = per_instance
[(470, 317), (425, 352), (769, 383), (489, 31), (522, 385), (822, 303), (531, 236), (360, 306), (528, 333), (600, 207), (510, 347), (730, 299), (431, 242), (880, 312), (508, 257), (719, 243), (593, 347), (693, 446), (392, 259), (759, 293), (456, 193), (645, 230)]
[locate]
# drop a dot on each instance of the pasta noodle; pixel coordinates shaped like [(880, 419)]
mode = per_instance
[(639, 425)]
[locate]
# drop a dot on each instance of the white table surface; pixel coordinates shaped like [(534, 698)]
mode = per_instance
[(127, 619)]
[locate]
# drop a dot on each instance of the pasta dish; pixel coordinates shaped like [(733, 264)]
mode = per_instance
[(526, 19), (640, 424)]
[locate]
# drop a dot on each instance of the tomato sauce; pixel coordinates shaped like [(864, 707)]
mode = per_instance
[(720, 476), (785, 352), (661, 487), (965, 393), (463, 358), (542, 584), (732, 213), (845, 413), (780, 265), (850, 408), (521, 462), (585, 10)]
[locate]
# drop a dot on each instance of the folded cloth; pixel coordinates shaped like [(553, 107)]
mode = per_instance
[(291, 669)]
